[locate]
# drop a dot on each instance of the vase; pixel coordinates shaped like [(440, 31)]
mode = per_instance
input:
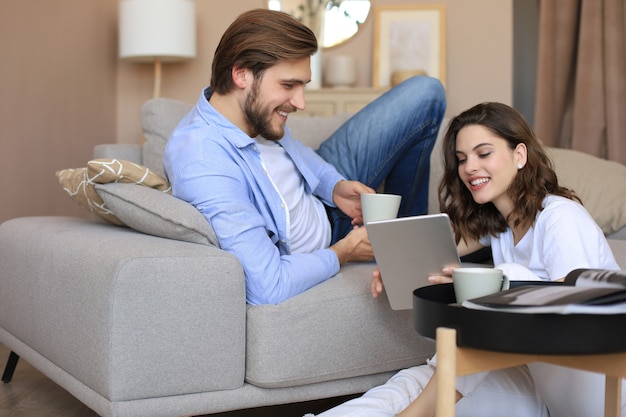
[(316, 71), (340, 71), (316, 24)]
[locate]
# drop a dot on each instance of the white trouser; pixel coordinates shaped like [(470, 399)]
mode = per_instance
[(485, 394), (571, 393)]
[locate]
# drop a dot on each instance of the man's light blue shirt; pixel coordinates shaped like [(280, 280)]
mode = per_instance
[(216, 167)]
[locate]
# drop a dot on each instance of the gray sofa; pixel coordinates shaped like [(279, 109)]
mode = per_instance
[(151, 319)]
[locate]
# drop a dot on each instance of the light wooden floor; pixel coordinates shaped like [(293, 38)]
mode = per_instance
[(30, 394)]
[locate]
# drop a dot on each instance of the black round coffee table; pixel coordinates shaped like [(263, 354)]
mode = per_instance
[(470, 341), (433, 306)]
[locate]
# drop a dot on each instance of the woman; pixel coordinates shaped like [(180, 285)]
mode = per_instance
[(500, 190)]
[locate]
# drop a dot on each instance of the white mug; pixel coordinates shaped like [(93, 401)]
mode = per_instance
[(477, 282), (379, 206)]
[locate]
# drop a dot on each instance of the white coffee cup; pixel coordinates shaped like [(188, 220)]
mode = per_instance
[(476, 282), (379, 207)]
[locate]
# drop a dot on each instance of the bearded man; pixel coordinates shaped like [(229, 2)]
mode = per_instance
[(292, 215)]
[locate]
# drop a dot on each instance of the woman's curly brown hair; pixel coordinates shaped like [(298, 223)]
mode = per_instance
[(527, 191)]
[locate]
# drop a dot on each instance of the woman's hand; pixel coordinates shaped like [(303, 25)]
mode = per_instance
[(445, 277), (377, 283)]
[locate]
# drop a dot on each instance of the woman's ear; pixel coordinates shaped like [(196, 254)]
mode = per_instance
[(521, 155)]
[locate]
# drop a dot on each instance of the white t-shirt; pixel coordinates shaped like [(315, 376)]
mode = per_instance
[(564, 237), (307, 222)]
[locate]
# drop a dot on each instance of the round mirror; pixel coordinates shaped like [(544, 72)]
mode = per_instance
[(333, 21)]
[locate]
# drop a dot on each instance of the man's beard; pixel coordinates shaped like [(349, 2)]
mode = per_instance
[(260, 120)]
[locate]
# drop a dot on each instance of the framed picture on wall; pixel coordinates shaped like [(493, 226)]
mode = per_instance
[(408, 40)]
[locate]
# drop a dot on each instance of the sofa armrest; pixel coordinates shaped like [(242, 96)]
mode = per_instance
[(128, 314), (127, 152)]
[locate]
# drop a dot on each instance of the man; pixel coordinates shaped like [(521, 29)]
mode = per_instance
[(291, 214)]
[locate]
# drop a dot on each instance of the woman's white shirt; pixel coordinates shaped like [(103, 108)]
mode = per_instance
[(564, 237)]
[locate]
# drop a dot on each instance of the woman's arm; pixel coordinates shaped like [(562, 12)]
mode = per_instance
[(465, 247)]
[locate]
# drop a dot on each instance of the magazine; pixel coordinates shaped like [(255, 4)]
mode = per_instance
[(584, 291)]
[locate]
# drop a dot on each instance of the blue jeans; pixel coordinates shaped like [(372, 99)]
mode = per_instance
[(390, 140)]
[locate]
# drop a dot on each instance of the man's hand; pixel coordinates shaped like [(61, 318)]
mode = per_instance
[(355, 247), (347, 197)]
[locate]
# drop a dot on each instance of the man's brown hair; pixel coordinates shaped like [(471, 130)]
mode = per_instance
[(257, 40)]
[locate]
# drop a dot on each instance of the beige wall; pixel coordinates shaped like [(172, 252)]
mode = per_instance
[(63, 90), (57, 97), (479, 42)]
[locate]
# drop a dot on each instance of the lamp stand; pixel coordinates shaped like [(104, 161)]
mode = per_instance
[(157, 78)]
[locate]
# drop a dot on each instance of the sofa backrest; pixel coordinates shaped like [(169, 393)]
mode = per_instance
[(600, 183), (160, 116)]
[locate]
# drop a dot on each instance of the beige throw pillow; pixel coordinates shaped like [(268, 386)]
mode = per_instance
[(600, 184), (104, 171), (79, 183), (75, 182)]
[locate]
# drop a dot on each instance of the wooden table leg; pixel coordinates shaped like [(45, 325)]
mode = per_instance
[(452, 360), (446, 373), (613, 396)]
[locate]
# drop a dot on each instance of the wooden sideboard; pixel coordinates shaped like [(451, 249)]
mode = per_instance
[(332, 101)]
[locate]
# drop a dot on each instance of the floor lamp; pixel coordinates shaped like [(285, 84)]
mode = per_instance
[(157, 31)]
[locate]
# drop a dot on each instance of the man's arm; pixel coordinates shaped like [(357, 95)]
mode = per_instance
[(355, 247), (226, 196), (229, 186)]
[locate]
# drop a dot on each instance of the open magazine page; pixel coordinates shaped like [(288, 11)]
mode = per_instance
[(596, 278), (584, 291)]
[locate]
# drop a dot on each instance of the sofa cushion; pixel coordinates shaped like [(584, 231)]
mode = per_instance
[(332, 331), (156, 213), (618, 247), (600, 184), (159, 117), (79, 183), (312, 131), (436, 168)]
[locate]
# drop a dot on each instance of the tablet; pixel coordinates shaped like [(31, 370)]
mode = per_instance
[(408, 250)]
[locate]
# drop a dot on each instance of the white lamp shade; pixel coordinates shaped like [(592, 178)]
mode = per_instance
[(163, 29)]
